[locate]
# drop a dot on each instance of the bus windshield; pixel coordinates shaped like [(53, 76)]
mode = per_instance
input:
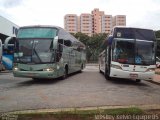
[(35, 51), (145, 53), (133, 52), (123, 52)]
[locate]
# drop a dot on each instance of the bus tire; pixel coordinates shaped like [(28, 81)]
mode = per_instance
[(81, 68), (65, 74), (35, 79), (138, 80), (106, 74), (100, 69)]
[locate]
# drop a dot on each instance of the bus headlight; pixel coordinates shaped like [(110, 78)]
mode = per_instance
[(116, 66), (48, 69), (150, 70), (15, 69)]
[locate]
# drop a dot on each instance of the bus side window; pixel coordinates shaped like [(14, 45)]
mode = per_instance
[(67, 43), (78, 49)]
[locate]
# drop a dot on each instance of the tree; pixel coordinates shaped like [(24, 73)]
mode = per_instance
[(81, 37), (92, 43), (157, 33)]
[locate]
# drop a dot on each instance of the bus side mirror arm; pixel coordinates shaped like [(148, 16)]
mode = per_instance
[(6, 42), (55, 43), (16, 46)]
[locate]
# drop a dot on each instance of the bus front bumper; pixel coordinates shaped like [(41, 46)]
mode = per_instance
[(35, 74), (118, 73)]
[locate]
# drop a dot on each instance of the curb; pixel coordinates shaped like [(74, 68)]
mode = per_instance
[(154, 82), (156, 79), (89, 64), (143, 107)]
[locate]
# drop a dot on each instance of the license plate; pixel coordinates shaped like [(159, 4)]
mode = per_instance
[(134, 76), (31, 74)]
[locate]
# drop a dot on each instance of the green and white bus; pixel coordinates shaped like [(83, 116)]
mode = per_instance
[(47, 52), (129, 53)]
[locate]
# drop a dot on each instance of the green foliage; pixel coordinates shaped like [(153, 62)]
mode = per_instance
[(82, 37), (124, 111), (119, 113), (92, 43), (157, 33)]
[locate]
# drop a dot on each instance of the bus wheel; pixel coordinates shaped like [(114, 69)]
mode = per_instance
[(81, 68), (65, 73), (35, 79), (100, 69), (138, 80), (106, 74)]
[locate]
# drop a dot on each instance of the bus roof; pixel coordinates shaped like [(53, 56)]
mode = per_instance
[(130, 27)]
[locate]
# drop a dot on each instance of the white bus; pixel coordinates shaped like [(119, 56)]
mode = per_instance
[(1, 52), (129, 53)]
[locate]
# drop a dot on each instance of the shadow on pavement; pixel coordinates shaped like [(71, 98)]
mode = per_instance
[(38, 81), (127, 82), (5, 72), (43, 81), (121, 81)]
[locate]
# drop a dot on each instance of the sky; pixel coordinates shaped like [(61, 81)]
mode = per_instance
[(139, 13)]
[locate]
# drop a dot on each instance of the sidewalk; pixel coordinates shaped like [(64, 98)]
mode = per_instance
[(157, 77), (92, 64)]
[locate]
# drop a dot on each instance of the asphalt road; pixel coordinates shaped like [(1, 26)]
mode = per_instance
[(85, 89)]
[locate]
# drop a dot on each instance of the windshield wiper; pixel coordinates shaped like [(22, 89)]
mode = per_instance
[(37, 55), (36, 52)]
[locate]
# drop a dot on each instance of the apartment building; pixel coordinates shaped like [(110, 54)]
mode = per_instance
[(86, 23), (106, 25), (96, 22), (71, 23), (119, 20)]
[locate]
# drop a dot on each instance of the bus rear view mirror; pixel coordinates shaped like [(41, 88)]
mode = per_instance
[(7, 41), (55, 43), (110, 39), (16, 46), (1, 48)]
